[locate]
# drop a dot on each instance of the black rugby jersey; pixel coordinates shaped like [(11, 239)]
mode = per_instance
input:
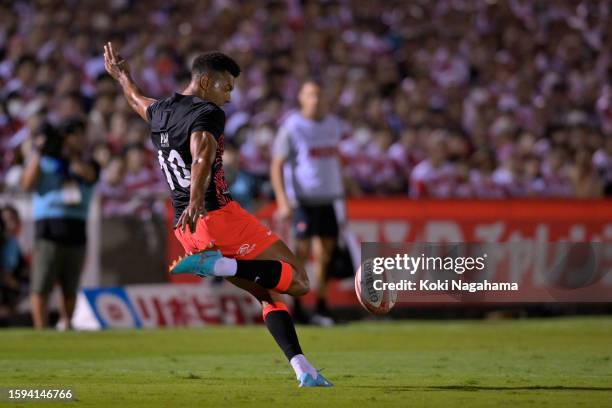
[(173, 120)]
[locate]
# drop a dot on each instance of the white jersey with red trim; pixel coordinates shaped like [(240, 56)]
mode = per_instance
[(312, 170)]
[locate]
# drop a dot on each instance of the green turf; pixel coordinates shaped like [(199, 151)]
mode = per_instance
[(540, 363)]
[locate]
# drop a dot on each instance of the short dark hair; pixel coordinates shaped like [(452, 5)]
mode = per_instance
[(214, 61)]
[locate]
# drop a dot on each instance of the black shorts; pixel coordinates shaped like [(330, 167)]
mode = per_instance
[(54, 262), (315, 221)]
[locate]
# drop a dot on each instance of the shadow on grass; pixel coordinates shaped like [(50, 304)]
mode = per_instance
[(396, 388)]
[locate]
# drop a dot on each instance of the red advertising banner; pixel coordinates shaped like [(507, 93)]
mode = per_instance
[(402, 220)]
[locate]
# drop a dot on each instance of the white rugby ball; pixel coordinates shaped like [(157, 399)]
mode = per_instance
[(377, 302)]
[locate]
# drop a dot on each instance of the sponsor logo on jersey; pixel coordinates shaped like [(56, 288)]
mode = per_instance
[(164, 139)]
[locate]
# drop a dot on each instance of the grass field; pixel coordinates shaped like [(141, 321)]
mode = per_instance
[(540, 363)]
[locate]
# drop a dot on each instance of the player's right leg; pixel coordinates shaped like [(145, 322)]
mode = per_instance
[(280, 325)]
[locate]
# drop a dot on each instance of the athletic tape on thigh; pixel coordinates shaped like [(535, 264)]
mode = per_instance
[(273, 307), (286, 277)]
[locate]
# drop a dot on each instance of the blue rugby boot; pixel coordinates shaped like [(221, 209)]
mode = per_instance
[(306, 380), (201, 264)]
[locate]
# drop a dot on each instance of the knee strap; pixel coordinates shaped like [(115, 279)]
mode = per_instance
[(286, 277)]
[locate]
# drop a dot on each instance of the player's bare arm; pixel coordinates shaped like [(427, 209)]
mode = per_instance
[(278, 185), (203, 147), (119, 69)]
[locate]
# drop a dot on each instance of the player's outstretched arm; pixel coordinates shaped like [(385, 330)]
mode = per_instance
[(203, 147), (119, 69)]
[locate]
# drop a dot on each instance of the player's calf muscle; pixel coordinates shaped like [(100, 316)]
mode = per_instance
[(299, 287)]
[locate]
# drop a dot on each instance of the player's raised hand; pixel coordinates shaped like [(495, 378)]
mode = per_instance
[(115, 65)]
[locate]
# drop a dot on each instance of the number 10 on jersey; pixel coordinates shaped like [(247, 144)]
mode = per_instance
[(181, 174)]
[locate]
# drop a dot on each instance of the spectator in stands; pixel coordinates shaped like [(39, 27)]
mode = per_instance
[(584, 177), (555, 173), (602, 160), (481, 176), (102, 154), (254, 153), (140, 182), (114, 196), (434, 177)]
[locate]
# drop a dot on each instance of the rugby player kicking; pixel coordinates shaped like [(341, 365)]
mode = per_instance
[(220, 238)]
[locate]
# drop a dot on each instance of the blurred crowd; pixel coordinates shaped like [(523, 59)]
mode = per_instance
[(447, 98), (14, 276)]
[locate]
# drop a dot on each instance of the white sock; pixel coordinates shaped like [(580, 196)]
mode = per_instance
[(301, 365), (226, 267)]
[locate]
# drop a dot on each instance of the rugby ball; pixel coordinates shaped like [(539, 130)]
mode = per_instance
[(375, 301)]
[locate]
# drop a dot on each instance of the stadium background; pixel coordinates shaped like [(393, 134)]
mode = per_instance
[(474, 113), (446, 100)]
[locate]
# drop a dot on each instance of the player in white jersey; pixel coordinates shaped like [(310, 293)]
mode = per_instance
[(306, 175)]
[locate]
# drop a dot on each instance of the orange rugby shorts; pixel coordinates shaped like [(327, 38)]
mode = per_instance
[(232, 230)]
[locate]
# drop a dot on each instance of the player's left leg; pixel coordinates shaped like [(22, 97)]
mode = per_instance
[(322, 249)]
